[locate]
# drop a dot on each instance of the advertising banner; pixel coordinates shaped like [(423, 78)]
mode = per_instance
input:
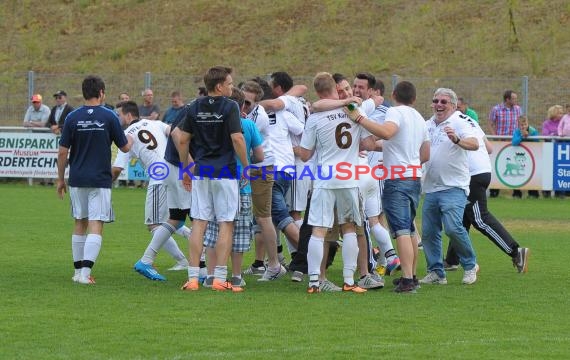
[(561, 166)]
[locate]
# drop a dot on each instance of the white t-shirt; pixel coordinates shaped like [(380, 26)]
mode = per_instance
[(149, 143), (479, 161), (379, 116), (335, 139), (403, 149), (283, 124), (261, 120), (448, 166)]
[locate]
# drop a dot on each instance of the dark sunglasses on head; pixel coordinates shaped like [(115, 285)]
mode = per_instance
[(442, 101)]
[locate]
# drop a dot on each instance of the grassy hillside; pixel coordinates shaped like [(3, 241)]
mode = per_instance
[(123, 39), (430, 38)]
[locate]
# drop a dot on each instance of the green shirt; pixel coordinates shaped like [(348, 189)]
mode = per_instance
[(472, 114)]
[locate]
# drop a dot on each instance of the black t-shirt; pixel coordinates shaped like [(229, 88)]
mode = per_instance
[(211, 121)]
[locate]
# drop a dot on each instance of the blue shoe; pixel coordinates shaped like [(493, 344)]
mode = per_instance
[(148, 271), (393, 266)]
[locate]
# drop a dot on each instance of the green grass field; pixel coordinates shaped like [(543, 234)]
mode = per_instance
[(44, 315)]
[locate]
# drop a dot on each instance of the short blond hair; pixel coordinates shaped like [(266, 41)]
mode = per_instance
[(554, 111), (324, 83), (523, 120)]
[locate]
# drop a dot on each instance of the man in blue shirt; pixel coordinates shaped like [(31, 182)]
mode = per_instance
[(212, 132), (87, 136)]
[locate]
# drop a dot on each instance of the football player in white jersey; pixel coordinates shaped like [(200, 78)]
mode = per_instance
[(336, 140), (285, 119), (149, 144), (379, 232)]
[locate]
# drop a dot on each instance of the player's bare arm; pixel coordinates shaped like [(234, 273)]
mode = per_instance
[(61, 164)]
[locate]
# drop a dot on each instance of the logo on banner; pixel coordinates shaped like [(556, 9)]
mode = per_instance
[(514, 165)]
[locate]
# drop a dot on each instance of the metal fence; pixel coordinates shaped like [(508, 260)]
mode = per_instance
[(535, 95)]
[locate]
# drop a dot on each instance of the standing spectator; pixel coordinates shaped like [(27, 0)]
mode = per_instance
[(124, 97), (59, 112), (446, 184), (564, 125), (503, 119), (148, 109), (211, 131), (550, 125), (174, 110), (37, 114), (521, 134), (463, 106), (476, 211), (87, 136)]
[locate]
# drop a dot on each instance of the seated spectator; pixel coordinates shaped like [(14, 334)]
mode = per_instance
[(37, 114), (564, 125), (550, 128), (521, 134), (59, 112), (523, 131), (550, 125)]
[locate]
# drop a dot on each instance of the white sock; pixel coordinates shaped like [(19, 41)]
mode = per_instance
[(160, 235), (349, 257), (221, 272), (193, 272), (315, 257), (92, 247), (171, 247), (85, 272), (184, 231), (382, 237), (77, 245)]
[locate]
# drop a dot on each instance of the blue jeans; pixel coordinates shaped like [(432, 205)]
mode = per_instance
[(279, 212), (445, 208), (400, 200)]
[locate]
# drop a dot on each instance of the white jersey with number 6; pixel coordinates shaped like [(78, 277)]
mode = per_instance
[(149, 143), (335, 139)]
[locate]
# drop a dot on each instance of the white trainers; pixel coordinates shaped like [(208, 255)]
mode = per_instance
[(470, 276), (180, 266), (76, 277), (433, 278), (369, 282), (328, 286), (270, 275), (86, 280), (297, 276)]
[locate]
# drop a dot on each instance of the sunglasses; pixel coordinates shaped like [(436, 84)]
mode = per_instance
[(442, 101)]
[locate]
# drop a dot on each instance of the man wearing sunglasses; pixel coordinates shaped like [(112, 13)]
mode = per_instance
[(59, 112), (446, 185)]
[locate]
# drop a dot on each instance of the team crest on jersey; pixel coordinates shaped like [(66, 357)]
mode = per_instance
[(90, 111), (211, 101)]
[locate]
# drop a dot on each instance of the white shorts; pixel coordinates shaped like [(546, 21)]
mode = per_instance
[(215, 199), (156, 207), (296, 197), (176, 196), (91, 204), (370, 191), (323, 202)]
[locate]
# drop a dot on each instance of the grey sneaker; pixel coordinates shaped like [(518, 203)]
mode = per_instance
[(470, 276), (237, 282), (328, 286), (253, 270), (297, 276), (520, 262), (368, 282), (180, 266), (433, 278), (208, 282), (270, 275)]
